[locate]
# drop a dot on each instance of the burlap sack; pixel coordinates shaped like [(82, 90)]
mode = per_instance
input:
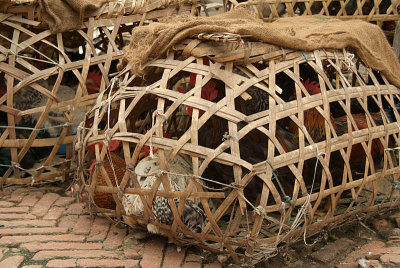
[(65, 15), (306, 33)]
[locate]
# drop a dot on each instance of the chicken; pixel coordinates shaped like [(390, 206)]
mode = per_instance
[(146, 170), (31, 156), (315, 124), (29, 98)]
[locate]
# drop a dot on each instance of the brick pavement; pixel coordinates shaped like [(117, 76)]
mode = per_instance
[(43, 227)]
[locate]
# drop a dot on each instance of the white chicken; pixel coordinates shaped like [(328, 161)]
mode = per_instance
[(147, 170)]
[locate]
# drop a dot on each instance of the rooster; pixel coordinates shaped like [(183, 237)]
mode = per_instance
[(253, 146), (315, 124)]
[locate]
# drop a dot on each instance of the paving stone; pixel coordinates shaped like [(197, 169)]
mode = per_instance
[(17, 195), (75, 209), (192, 265), (390, 258), (115, 238), (99, 229), (193, 258), (173, 258), (12, 262), (28, 223), (17, 231), (331, 251), (32, 266), (64, 201), (380, 224), (44, 204), (14, 210), (131, 253), (83, 225), (61, 263), (54, 213), (108, 263), (28, 201), (153, 253), (213, 265), (6, 204), (373, 264), (68, 221), (17, 217), (15, 240), (36, 246), (51, 254)]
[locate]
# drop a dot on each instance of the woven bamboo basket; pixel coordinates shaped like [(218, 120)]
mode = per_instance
[(38, 64), (257, 172), (371, 11)]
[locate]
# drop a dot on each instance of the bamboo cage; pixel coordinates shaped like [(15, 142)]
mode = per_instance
[(383, 13), (236, 120), (38, 64)]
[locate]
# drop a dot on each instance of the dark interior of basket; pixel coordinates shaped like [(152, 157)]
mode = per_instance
[(240, 156)]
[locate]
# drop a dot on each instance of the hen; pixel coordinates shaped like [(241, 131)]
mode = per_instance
[(29, 98), (147, 170)]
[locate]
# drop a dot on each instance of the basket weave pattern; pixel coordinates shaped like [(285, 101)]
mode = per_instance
[(260, 182)]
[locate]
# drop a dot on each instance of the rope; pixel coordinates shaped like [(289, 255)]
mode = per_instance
[(37, 129)]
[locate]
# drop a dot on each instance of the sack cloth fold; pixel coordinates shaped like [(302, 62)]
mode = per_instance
[(304, 33), (66, 15)]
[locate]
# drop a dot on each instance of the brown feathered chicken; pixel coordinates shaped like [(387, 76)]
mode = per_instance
[(315, 124)]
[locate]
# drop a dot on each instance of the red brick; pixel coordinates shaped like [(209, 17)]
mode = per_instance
[(14, 210), (108, 263), (173, 258), (34, 247), (12, 262), (27, 223), (54, 213), (131, 253), (99, 229), (153, 253), (61, 263), (380, 224), (51, 254), (64, 201), (83, 225), (192, 265), (16, 231), (15, 240), (115, 238), (213, 265), (75, 209), (41, 207), (390, 258), (371, 248), (28, 201), (68, 221), (330, 252), (16, 217), (193, 258), (6, 204), (373, 264), (18, 195)]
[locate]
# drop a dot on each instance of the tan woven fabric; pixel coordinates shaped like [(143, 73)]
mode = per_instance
[(305, 33), (64, 15)]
